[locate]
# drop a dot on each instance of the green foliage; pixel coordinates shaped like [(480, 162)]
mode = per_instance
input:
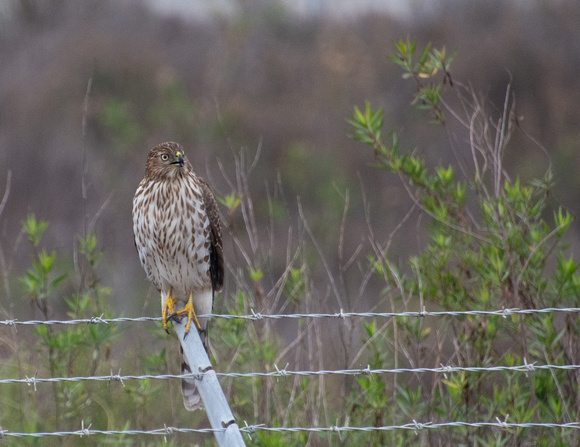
[(502, 254), (39, 282), (231, 202), (296, 284), (34, 229), (63, 352), (428, 64), (36, 281)]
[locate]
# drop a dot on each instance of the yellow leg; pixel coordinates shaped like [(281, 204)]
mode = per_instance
[(168, 308), (190, 312)]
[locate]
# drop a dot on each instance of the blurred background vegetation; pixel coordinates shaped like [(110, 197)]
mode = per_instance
[(86, 89)]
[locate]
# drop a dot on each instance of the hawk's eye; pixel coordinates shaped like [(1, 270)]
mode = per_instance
[(165, 157)]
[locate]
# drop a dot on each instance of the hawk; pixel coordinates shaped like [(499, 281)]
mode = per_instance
[(178, 237)]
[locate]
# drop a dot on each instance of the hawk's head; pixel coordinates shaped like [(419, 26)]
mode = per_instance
[(166, 161)]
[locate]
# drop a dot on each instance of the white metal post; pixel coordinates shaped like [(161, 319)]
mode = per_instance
[(218, 411)]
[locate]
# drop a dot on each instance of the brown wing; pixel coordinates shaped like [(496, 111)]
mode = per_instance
[(216, 267)]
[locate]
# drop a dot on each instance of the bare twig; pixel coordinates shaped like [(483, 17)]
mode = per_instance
[(3, 265)]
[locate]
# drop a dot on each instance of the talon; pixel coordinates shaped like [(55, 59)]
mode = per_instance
[(168, 309), (190, 312)]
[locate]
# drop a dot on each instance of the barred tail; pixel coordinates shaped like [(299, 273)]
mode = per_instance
[(191, 397)]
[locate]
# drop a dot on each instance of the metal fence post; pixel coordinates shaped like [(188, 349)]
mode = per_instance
[(218, 411)]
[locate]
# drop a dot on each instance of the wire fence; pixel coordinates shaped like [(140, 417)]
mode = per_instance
[(252, 429), (504, 312), (525, 368), (414, 426)]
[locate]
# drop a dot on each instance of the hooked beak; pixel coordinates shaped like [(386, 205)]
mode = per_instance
[(180, 160)]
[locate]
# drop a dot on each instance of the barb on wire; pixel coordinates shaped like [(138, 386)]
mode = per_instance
[(256, 316), (116, 378), (85, 431), (31, 380)]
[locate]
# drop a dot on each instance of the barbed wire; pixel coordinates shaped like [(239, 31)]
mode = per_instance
[(445, 369), (252, 429), (526, 368), (255, 316)]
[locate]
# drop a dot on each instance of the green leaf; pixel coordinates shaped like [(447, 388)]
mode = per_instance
[(256, 275), (34, 229), (424, 54)]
